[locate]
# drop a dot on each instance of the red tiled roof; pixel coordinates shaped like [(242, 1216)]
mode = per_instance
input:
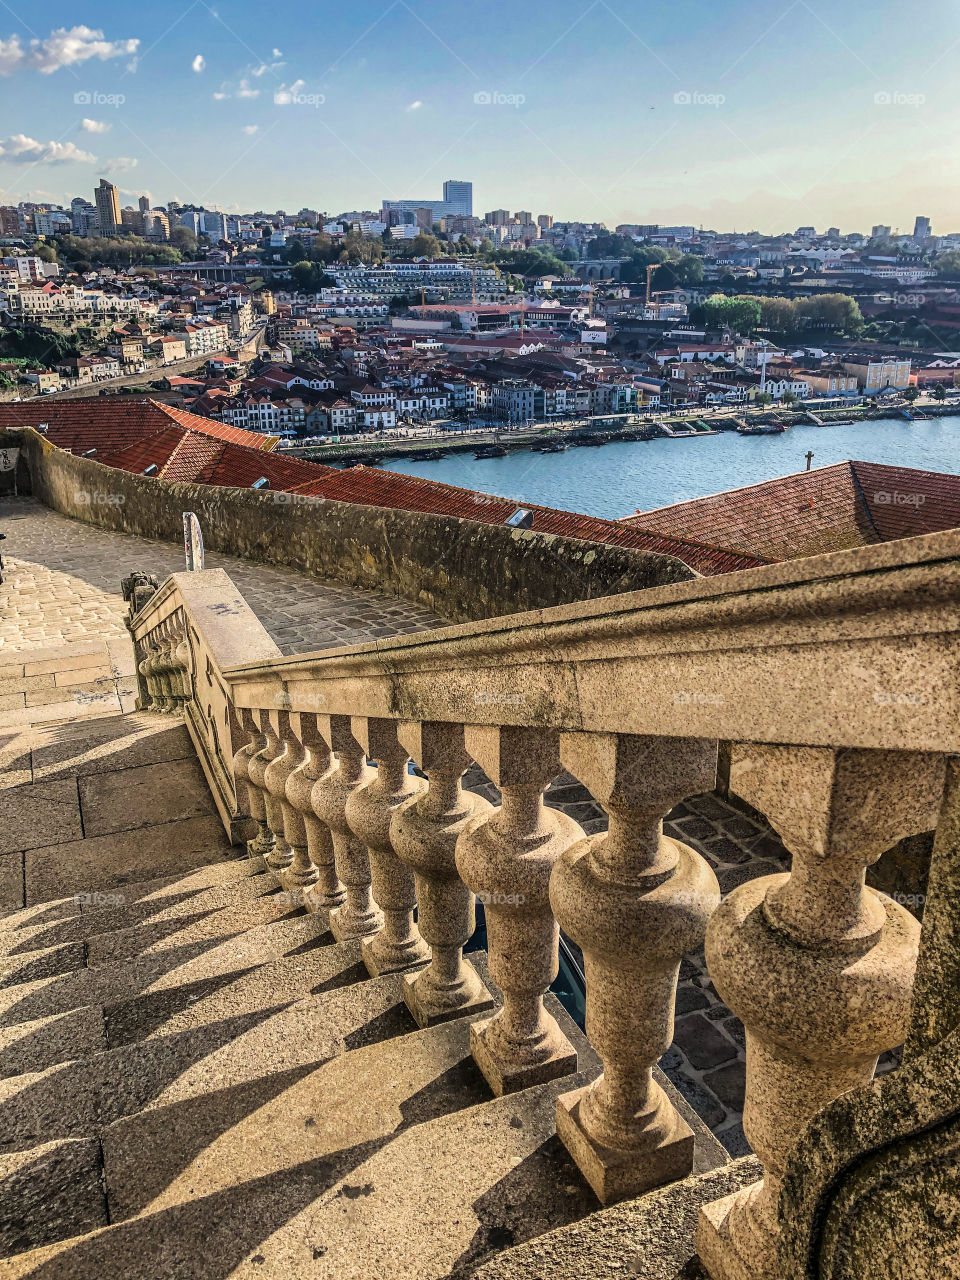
[(108, 423), (905, 501), (194, 454), (848, 504), (154, 449)]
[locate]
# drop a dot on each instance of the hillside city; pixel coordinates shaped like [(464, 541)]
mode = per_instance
[(421, 317)]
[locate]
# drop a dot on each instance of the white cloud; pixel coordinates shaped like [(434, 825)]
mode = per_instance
[(95, 126), (199, 62), (277, 53), (415, 106), (244, 90), (264, 67), (61, 48), (120, 164), (19, 147), (220, 96), (250, 129)]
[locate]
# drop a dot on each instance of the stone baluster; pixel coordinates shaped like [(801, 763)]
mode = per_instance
[(150, 701), (158, 671), (818, 966), (249, 794), (301, 874), (184, 663), (281, 761), (424, 836), (636, 901), (507, 861), (325, 891), (265, 844), (398, 946), (359, 916)]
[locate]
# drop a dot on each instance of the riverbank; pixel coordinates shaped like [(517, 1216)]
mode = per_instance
[(682, 424)]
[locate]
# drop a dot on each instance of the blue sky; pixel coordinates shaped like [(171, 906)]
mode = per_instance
[(731, 113)]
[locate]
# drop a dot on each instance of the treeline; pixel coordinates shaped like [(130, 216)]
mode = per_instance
[(836, 312)]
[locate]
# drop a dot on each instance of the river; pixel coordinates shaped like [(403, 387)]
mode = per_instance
[(618, 479)]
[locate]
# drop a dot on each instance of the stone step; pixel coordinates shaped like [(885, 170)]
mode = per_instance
[(651, 1237), (150, 937), (252, 1054), (222, 884), (36, 1045), (391, 1162), (200, 965), (52, 1191)]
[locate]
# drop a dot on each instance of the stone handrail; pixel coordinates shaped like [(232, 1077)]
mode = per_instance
[(836, 680)]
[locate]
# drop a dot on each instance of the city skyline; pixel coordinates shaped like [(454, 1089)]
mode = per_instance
[(589, 116)]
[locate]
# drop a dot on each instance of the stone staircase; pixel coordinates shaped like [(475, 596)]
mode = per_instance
[(197, 1080)]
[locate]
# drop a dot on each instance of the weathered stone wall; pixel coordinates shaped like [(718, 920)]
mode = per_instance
[(462, 569)]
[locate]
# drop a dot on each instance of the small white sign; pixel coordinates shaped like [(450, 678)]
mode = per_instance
[(8, 458)]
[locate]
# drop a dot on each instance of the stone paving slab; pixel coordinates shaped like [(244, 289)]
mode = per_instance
[(64, 585)]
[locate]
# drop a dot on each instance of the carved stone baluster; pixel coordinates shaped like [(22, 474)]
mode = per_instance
[(158, 666), (301, 874), (165, 667), (398, 946), (636, 902), (280, 764), (150, 702), (507, 862), (359, 916), (184, 660), (326, 891), (266, 842), (249, 793), (424, 836), (248, 768), (818, 966)]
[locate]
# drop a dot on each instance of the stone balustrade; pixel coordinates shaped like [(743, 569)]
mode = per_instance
[(834, 678)]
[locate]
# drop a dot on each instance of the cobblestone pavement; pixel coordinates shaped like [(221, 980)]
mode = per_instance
[(64, 586)]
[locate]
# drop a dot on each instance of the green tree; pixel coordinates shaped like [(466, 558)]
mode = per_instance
[(778, 315), (426, 246), (183, 238), (948, 264), (740, 314), (939, 393), (910, 394)]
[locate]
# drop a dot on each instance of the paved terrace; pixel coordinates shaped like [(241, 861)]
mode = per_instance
[(65, 587)]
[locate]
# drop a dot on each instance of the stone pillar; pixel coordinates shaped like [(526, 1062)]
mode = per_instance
[(326, 891), (398, 946), (272, 846), (301, 873), (248, 768), (636, 901), (507, 861), (359, 916), (150, 702), (818, 966), (424, 836)]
